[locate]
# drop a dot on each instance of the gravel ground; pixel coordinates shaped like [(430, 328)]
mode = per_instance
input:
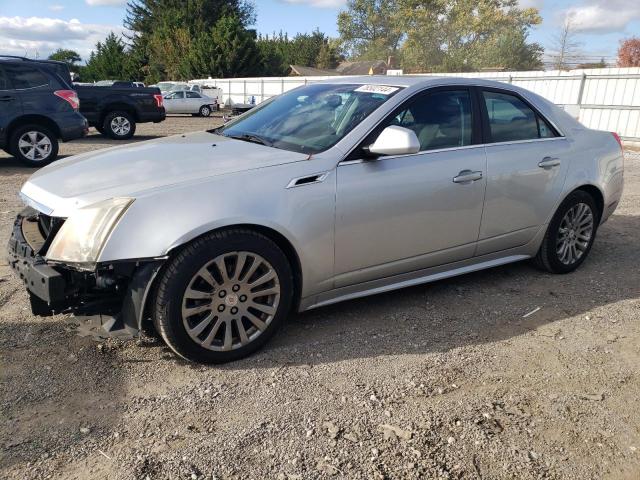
[(447, 380)]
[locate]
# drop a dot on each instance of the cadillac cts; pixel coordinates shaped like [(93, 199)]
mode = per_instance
[(328, 192)]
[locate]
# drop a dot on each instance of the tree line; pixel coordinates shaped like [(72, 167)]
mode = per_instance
[(180, 40)]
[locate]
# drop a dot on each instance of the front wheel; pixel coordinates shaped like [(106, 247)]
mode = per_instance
[(34, 145), (119, 125), (205, 111), (223, 296), (570, 234)]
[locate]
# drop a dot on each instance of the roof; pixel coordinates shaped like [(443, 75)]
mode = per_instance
[(391, 80), (310, 71), (418, 80)]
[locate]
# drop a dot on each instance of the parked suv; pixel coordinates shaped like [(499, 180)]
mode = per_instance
[(38, 108)]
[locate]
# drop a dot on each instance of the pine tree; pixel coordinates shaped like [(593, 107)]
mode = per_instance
[(109, 61)]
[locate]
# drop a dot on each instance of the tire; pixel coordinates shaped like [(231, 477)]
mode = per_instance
[(44, 141), (553, 256), (119, 125), (200, 316), (205, 111)]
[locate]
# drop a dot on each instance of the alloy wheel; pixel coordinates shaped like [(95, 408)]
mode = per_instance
[(120, 126), (574, 234), (230, 301), (35, 145)]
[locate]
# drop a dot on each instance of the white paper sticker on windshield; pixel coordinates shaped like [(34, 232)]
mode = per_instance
[(381, 89)]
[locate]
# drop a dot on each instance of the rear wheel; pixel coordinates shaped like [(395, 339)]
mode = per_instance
[(223, 296), (119, 125), (34, 145), (570, 234), (205, 111)]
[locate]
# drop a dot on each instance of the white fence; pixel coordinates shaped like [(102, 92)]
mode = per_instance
[(604, 98)]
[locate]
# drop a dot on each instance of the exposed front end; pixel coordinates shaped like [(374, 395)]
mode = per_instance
[(116, 292)]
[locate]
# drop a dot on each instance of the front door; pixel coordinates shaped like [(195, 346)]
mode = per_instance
[(397, 214), (175, 102)]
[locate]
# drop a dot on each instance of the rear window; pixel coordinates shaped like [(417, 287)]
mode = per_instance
[(25, 77)]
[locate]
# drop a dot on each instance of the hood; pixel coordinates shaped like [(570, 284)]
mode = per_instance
[(132, 169)]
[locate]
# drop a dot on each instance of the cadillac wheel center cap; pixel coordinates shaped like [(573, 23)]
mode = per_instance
[(231, 300)]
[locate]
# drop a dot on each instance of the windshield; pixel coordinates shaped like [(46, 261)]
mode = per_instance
[(309, 119)]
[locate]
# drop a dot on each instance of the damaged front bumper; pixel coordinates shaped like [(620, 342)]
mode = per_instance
[(116, 292)]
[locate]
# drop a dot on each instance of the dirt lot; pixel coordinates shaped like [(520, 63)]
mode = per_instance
[(447, 380)]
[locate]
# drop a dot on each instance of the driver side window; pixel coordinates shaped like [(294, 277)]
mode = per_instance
[(441, 119)]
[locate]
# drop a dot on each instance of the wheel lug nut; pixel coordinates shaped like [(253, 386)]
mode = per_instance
[(236, 288), (243, 298), (222, 294), (234, 310), (221, 308)]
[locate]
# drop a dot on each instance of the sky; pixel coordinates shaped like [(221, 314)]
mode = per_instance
[(38, 27)]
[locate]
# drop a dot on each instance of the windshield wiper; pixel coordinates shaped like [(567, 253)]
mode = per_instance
[(249, 137)]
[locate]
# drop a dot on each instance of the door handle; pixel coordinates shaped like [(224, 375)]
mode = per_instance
[(467, 176), (6, 98), (549, 162)]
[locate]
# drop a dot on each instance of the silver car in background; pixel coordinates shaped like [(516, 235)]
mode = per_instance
[(187, 101), (328, 192)]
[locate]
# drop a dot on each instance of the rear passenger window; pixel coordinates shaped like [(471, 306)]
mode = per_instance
[(24, 77), (439, 119), (510, 119), (192, 95)]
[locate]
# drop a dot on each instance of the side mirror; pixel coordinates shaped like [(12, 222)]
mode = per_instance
[(395, 140)]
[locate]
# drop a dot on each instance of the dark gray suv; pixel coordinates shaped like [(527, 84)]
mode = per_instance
[(37, 109)]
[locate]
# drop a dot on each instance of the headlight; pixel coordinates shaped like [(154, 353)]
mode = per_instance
[(82, 236)]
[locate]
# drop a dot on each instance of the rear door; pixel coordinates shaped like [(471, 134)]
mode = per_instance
[(396, 214), (527, 162), (10, 106), (35, 88), (193, 101)]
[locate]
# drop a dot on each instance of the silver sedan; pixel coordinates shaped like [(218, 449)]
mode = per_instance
[(329, 192), (187, 101)]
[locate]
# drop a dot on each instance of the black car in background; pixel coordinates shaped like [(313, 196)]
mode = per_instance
[(114, 110), (38, 108)]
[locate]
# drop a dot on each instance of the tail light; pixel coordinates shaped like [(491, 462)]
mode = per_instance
[(158, 99), (70, 96), (618, 139)]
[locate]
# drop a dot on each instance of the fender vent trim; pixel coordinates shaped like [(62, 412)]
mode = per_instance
[(308, 180)]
